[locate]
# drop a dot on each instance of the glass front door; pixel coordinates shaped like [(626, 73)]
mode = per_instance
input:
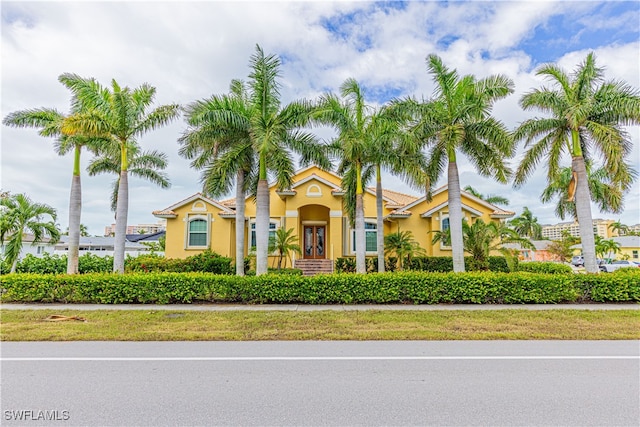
[(314, 241)]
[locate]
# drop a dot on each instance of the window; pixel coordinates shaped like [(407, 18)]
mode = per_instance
[(197, 232), (445, 242), (40, 250), (634, 254), (272, 234), (370, 237)]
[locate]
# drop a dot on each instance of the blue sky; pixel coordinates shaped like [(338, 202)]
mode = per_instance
[(191, 50)]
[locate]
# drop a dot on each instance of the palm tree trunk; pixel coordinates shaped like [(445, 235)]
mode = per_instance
[(122, 210), (455, 218), (361, 265), (75, 209), (240, 223), (583, 212), (14, 265), (262, 227), (379, 222)]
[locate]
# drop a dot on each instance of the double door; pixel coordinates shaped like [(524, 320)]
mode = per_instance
[(315, 242)]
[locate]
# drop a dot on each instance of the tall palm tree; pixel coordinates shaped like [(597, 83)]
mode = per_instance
[(19, 216), (458, 121), (120, 116), (607, 194), (148, 165), (359, 128), (50, 122), (586, 119), (388, 147), (494, 199), (219, 143), (274, 130), (526, 225)]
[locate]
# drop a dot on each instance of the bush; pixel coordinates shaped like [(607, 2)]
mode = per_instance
[(206, 262), (57, 264), (620, 286), (387, 288), (544, 267)]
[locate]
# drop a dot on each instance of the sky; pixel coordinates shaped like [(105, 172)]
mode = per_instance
[(191, 50)]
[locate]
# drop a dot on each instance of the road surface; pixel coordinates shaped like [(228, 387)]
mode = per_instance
[(571, 383)]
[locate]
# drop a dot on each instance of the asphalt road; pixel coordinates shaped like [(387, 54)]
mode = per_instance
[(570, 383)]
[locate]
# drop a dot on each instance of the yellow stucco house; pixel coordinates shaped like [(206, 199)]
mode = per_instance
[(313, 208)]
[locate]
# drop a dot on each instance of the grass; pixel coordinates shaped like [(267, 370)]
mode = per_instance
[(143, 325)]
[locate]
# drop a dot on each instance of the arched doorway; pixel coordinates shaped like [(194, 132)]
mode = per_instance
[(314, 220)]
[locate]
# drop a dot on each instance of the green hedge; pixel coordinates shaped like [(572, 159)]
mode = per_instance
[(57, 264), (620, 286), (428, 264), (387, 288)]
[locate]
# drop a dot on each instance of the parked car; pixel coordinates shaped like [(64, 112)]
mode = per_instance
[(577, 261), (616, 265)]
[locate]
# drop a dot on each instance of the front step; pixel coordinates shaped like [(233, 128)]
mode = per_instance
[(312, 267)]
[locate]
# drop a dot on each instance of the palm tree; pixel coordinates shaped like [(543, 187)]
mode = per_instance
[(19, 216), (526, 225), (481, 238), (620, 228), (120, 116), (355, 123), (457, 121), (607, 194), (50, 122), (494, 199), (147, 165), (219, 143), (606, 246), (586, 119), (403, 245), (273, 131), (284, 243), (84, 231)]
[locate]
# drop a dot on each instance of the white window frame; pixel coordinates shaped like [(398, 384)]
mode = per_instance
[(187, 234), (352, 233), (252, 231), (443, 217)]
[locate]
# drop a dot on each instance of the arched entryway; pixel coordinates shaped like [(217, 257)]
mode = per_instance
[(314, 227)]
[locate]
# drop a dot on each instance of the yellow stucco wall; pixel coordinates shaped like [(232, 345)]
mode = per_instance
[(313, 204), (219, 230)]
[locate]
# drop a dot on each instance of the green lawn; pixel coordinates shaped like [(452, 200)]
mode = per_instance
[(152, 325)]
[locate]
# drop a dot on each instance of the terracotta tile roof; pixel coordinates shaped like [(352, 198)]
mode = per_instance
[(401, 199)]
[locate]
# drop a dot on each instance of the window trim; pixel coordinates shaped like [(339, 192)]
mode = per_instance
[(352, 237), (443, 216), (252, 230), (197, 217)]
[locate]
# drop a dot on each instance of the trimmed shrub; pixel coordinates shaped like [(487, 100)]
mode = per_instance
[(620, 286), (403, 287), (207, 261), (57, 264)]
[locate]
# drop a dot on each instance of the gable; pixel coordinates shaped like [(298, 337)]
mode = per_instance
[(195, 203)]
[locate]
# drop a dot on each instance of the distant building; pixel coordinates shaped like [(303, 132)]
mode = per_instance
[(554, 232), (103, 246), (539, 253), (634, 228), (161, 225)]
